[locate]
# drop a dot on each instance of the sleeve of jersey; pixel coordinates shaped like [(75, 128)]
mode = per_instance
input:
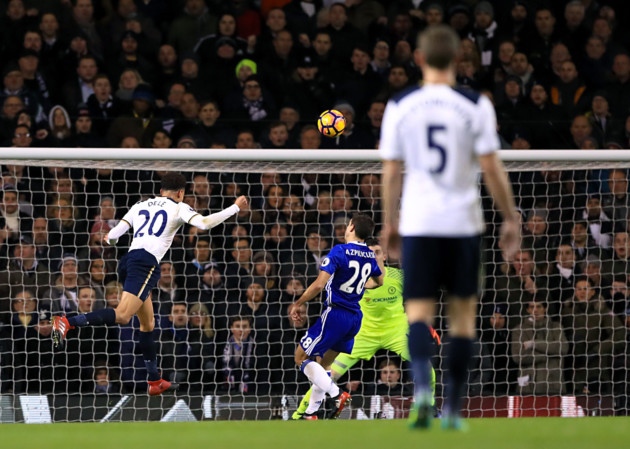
[(210, 221), (376, 270), (186, 212), (330, 262), (390, 147), (114, 234), (487, 139)]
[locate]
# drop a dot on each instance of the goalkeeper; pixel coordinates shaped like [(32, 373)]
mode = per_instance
[(384, 324)]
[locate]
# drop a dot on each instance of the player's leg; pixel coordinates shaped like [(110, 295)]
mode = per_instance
[(420, 312), (146, 316), (129, 305), (461, 316), (464, 255), (422, 258), (341, 364), (396, 341)]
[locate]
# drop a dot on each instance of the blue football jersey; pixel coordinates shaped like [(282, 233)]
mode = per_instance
[(350, 266)]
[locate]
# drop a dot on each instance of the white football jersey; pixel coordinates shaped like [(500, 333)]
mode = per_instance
[(439, 131), (155, 223)]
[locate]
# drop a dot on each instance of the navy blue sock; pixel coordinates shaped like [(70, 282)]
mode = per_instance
[(147, 346), (104, 316), (458, 355), (421, 349)]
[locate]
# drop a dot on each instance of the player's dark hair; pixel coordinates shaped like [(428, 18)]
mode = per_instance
[(363, 226), (173, 181), (371, 241), (440, 46)]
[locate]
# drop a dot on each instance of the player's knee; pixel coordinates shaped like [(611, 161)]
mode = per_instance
[(122, 318), (299, 359), (148, 327)]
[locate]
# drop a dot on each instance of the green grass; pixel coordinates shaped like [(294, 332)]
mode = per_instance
[(537, 433)]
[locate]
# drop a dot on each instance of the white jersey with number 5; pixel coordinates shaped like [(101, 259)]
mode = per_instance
[(439, 131), (155, 223)]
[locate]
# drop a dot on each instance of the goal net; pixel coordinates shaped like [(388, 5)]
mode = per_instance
[(553, 326)]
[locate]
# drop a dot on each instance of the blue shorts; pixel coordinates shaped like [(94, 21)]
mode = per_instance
[(335, 330), (432, 263), (139, 272)]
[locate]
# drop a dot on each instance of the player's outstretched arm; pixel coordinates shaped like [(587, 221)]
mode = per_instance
[(311, 292), (114, 234), (496, 180), (210, 221)]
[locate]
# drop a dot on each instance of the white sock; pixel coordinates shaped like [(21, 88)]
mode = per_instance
[(318, 377), (317, 397)]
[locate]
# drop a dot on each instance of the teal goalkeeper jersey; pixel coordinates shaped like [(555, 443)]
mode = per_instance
[(383, 307)]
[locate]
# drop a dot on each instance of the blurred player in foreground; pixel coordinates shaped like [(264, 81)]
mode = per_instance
[(443, 134)]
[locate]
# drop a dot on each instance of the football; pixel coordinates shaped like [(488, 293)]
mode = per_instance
[(331, 123)]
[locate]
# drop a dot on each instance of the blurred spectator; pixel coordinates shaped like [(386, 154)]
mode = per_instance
[(568, 91), (103, 381), (63, 295), (389, 382), (604, 124), (619, 89), (308, 260), (561, 278), (113, 293), (84, 136), (140, 123), (202, 356), (167, 292), (359, 84), (168, 71), (616, 204), (539, 346), (619, 263), (515, 284), (595, 66), (599, 224), (201, 255), (238, 357), (12, 220), (485, 32), (103, 107), (595, 336), (194, 22), (310, 138), (127, 83), (47, 251), (254, 104), (239, 270), (495, 336), (24, 271), (343, 34), (549, 129), (83, 19), (78, 90), (127, 18)]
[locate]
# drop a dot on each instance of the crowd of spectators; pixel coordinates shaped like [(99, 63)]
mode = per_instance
[(255, 74)]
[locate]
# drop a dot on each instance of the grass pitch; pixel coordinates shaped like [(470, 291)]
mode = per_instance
[(497, 433)]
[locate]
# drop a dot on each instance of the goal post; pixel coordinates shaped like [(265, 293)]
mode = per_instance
[(574, 264)]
